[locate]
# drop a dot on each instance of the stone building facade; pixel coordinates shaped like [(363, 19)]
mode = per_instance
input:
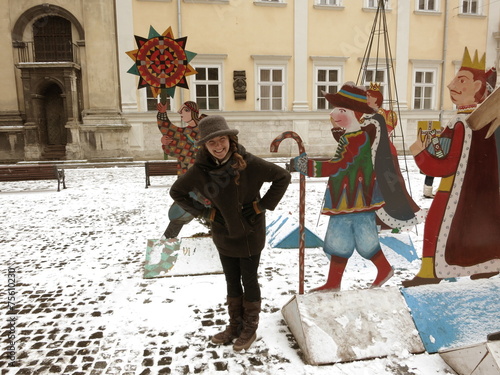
[(262, 64)]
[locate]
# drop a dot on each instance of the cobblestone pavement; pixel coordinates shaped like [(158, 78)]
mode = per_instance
[(76, 303), (79, 302)]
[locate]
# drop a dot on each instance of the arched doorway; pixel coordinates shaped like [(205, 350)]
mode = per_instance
[(48, 38), (52, 130)]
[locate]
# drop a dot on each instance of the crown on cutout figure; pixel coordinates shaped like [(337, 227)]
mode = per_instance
[(374, 86), (467, 62)]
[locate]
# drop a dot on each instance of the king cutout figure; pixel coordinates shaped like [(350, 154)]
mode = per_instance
[(461, 234)]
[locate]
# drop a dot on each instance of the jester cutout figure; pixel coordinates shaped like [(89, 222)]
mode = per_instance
[(461, 234)]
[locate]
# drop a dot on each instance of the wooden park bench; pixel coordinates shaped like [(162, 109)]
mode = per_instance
[(160, 168), (33, 172)]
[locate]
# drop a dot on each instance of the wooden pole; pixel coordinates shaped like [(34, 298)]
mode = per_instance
[(302, 201)]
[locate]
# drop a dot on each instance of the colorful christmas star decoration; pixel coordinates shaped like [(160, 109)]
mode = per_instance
[(161, 62)]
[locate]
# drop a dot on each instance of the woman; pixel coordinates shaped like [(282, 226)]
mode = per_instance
[(231, 179)]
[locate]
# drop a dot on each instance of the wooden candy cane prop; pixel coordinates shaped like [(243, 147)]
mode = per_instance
[(302, 201)]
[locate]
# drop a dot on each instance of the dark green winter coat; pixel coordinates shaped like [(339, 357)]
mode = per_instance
[(239, 236)]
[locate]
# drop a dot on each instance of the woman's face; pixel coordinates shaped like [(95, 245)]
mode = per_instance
[(218, 147)]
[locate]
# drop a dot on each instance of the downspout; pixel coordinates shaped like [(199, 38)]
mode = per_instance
[(445, 49), (179, 33)]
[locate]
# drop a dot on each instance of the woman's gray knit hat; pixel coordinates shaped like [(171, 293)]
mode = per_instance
[(213, 126)]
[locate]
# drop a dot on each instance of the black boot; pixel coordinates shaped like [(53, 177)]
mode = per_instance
[(251, 311), (235, 311)]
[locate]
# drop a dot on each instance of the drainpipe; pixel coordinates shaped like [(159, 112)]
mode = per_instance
[(179, 34), (445, 49)]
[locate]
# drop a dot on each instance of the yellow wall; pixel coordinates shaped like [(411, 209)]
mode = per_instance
[(239, 29)]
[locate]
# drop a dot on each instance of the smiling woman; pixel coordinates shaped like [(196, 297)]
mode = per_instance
[(231, 179)]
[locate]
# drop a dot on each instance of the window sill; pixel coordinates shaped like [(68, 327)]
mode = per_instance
[(470, 15), (269, 4), (427, 13), (329, 7), (370, 10), (207, 1)]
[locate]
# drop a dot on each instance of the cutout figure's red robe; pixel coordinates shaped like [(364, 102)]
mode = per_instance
[(462, 229)]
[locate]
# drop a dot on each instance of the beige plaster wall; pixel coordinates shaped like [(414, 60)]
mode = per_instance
[(8, 94)]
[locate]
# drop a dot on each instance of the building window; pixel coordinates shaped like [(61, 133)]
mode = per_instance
[(270, 82), (376, 75), (52, 39), (374, 4), (271, 87), (326, 79), (151, 101), (208, 86), (470, 6), (427, 5), (336, 3), (423, 93), (274, 3)]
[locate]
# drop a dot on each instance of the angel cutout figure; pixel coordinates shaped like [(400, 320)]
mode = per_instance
[(180, 143)]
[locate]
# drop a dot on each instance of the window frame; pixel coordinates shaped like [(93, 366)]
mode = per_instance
[(383, 83), (53, 39), (368, 6), (337, 3), (208, 60), (196, 82), (326, 63), (271, 62), (432, 86), (147, 98), (469, 5), (276, 3), (437, 6), (271, 84)]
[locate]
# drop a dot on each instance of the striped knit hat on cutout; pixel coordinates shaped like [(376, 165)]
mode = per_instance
[(351, 97)]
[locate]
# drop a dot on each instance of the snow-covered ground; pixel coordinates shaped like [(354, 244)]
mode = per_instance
[(78, 258)]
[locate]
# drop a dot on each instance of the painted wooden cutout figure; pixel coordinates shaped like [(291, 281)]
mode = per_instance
[(461, 236), (399, 210), (352, 195), (374, 99), (179, 142)]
